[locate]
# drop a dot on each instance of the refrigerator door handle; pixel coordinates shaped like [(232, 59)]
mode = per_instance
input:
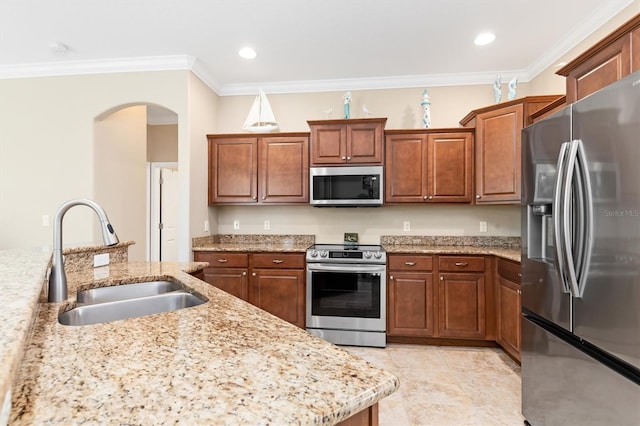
[(585, 206), (557, 216)]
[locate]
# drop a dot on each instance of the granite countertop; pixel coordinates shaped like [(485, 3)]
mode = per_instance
[(507, 253), (224, 362), (253, 243)]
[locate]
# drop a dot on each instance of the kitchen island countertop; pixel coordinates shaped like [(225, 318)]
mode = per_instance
[(223, 362)]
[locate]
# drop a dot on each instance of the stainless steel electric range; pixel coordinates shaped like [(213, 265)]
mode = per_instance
[(346, 294)]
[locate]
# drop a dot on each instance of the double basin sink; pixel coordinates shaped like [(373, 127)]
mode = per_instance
[(105, 304)]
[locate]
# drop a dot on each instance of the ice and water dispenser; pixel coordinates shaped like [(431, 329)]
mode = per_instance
[(540, 234)]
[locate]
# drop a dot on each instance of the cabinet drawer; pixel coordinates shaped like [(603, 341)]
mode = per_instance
[(410, 263), (509, 270), (278, 260), (461, 263), (223, 260)]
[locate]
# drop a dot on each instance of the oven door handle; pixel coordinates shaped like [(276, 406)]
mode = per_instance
[(358, 269)]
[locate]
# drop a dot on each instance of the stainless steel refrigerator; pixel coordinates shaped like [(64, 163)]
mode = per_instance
[(580, 344)]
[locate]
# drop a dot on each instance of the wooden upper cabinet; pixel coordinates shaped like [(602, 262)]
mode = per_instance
[(233, 167), (497, 147), (428, 166), (283, 170), (347, 142), (265, 169), (614, 57)]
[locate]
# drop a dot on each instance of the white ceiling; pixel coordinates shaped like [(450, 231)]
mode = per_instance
[(302, 45)]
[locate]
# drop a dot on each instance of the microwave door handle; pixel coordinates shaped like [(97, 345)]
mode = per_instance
[(570, 217), (557, 212), (585, 204)]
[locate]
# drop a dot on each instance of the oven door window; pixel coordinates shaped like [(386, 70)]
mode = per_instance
[(345, 294)]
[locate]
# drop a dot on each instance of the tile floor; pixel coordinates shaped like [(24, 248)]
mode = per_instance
[(444, 385)]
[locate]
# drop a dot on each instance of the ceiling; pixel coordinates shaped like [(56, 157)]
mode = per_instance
[(302, 45)]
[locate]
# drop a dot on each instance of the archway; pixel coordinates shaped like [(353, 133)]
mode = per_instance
[(127, 139)]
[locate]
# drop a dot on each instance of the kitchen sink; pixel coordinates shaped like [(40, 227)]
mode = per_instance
[(137, 306), (125, 291)]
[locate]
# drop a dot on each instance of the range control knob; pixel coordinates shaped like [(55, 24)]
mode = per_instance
[(313, 253), (377, 255), (367, 255), (324, 253)]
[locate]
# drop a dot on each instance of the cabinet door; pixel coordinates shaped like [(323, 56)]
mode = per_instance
[(635, 52), (410, 304), (405, 173), (233, 170), (450, 167), (607, 66), (364, 143), (329, 144), (461, 305), (498, 155), (284, 170), (232, 280), (280, 292), (509, 307)]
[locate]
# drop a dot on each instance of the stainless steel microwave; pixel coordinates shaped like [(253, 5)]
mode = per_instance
[(346, 186)]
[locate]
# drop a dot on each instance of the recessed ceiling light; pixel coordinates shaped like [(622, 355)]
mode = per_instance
[(247, 53), (484, 38)]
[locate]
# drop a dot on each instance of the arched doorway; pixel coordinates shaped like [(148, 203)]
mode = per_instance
[(128, 141)]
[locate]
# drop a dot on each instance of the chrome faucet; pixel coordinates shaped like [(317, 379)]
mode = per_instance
[(58, 278)]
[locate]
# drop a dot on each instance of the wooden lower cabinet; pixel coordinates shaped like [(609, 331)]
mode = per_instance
[(410, 297), (366, 417), (280, 292), (461, 305), (274, 282), (508, 307), (227, 271)]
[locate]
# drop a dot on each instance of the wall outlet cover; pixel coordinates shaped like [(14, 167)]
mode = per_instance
[(100, 259)]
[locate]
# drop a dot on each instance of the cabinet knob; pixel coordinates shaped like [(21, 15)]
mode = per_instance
[(441, 278), (344, 158), (278, 261), (520, 274), (477, 196), (430, 197), (264, 198), (348, 158), (244, 274), (255, 198), (390, 277), (253, 274), (222, 260), (424, 198)]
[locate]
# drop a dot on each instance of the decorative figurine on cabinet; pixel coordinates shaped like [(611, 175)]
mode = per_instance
[(512, 88), (497, 89), (426, 109), (347, 105)]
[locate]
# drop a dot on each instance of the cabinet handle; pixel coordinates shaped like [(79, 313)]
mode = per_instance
[(253, 274), (462, 264), (244, 274), (390, 277), (344, 158), (478, 197), (222, 260), (278, 261), (264, 198), (424, 198), (255, 198), (348, 158), (441, 278), (430, 197), (410, 263)]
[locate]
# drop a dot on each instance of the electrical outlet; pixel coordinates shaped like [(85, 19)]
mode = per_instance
[(100, 259), (406, 226), (267, 225), (483, 226), (206, 226), (236, 224)]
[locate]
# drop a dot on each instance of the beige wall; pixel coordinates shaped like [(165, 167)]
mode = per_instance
[(162, 143), (120, 175), (47, 146)]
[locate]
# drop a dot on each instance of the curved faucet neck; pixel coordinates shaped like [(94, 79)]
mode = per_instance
[(58, 278)]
